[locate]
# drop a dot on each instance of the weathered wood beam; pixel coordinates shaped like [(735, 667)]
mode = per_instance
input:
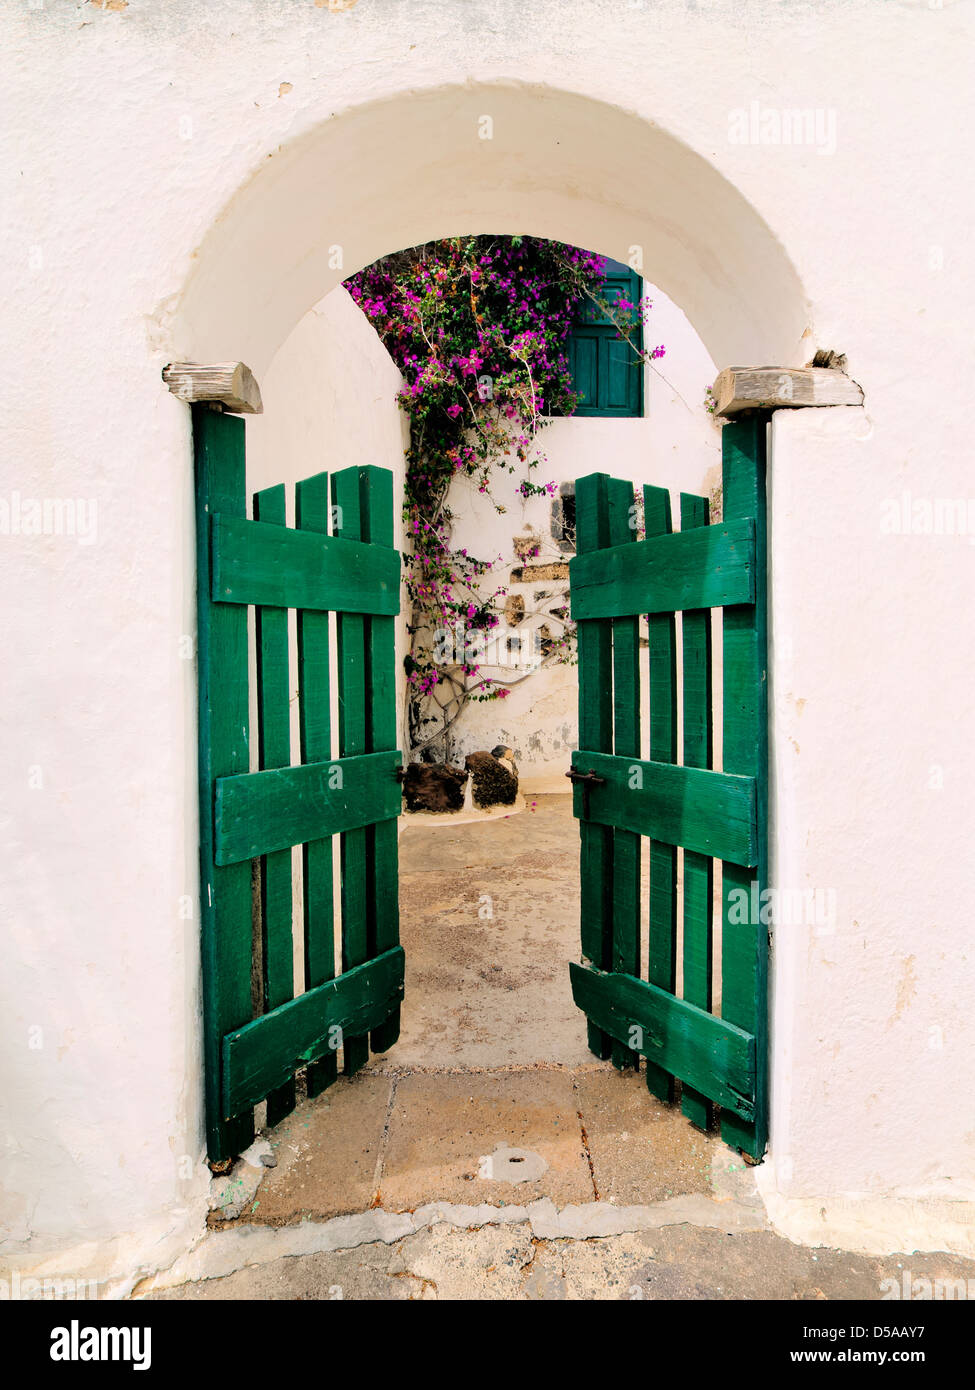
[(780, 388), (230, 383)]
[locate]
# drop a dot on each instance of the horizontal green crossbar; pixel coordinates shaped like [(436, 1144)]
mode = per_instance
[(257, 813), (708, 567), (713, 813), (713, 1056), (257, 562), (266, 1053)]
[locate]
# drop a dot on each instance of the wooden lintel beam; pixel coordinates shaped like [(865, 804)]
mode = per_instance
[(231, 383), (782, 388)]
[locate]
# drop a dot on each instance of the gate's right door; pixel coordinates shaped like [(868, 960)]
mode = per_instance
[(706, 1029)]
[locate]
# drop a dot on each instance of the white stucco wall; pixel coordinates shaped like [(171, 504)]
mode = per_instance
[(175, 179), (869, 788), (329, 403)]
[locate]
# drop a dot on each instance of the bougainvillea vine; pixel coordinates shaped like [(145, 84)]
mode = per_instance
[(478, 327)]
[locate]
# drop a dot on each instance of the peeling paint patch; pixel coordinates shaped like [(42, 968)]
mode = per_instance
[(336, 6), (117, 5), (285, 88)]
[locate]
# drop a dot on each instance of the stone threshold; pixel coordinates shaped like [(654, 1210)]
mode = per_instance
[(221, 1253)]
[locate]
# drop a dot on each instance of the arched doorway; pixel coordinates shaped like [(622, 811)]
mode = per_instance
[(505, 158), (273, 230)]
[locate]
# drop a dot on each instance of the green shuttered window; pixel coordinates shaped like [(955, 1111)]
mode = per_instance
[(602, 366)]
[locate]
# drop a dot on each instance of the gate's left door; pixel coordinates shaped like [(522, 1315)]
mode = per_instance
[(278, 994)]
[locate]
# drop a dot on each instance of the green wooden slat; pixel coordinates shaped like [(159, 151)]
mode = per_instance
[(626, 733), (353, 739), (710, 1054), (383, 870), (271, 565), (662, 912), (382, 849), (315, 725), (713, 813), (621, 377), (225, 893), (744, 946), (257, 1057), (583, 368), (698, 868), (705, 568), (274, 743), (595, 648), (257, 813)]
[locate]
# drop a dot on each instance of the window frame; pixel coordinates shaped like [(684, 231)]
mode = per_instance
[(603, 332)]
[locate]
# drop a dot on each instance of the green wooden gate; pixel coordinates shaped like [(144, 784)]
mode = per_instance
[(719, 1057), (338, 558)]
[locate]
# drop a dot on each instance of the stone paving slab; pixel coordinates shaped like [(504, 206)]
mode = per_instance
[(480, 1137), (642, 1151), (443, 1126), (326, 1151), (489, 919), (487, 992)]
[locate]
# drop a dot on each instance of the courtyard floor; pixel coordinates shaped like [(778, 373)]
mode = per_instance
[(488, 1155)]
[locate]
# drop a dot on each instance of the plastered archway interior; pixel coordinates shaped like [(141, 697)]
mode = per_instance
[(493, 158)]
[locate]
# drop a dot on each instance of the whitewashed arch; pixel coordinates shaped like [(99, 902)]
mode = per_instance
[(400, 171)]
